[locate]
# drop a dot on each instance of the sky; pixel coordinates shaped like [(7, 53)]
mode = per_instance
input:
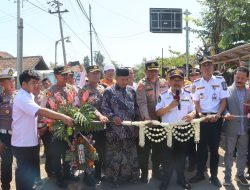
[(122, 27)]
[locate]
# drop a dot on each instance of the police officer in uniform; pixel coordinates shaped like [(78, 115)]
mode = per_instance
[(95, 92), (173, 105), (209, 95), (7, 81), (147, 92), (194, 74), (58, 146)]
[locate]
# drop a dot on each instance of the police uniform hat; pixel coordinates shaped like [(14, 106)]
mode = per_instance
[(92, 68), (205, 59), (194, 71), (151, 65), (176, 72), (122, 72), (8, 73), (58, 70)]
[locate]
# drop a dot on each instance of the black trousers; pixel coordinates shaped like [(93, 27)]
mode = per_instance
[(191, 154), (27, 159), (59, 148), (175, 158), (100, 141), (156, 157), (210, 134), (47, 139), (6, 162), (248, 154)]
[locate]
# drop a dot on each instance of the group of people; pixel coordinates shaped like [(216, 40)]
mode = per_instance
[(117, 98)]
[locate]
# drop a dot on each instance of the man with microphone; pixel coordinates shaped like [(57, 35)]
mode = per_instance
[(174, 105)]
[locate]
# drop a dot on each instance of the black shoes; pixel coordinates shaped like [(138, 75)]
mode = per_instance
[(61, 184), (197, 178), (163, 186), (184, 184), (191, 168), (89, 179), (114, 184), (215, 181), (144, 179), (72, 178)]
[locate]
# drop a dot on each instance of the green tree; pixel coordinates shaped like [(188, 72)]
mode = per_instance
[(225, 23), (86, 61), (99, 59), (176, 59)]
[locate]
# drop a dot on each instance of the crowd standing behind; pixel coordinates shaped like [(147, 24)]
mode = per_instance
[(117, 98)]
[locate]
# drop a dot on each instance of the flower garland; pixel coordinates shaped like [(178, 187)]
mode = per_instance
[(82, 154), (168, 130)]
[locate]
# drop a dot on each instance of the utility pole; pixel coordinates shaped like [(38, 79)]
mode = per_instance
[(187, 28), (19, 60), (162, 68), (56, 43), (57, 4), (90, 35)]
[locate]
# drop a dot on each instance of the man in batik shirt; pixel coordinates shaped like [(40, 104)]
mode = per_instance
[(119, 104), (94, 96)]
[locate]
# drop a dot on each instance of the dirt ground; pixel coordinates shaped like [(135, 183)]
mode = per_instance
[(49, 184)]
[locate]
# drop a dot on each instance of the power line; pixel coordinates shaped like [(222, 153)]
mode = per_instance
[(56, 16), (37, 6), (97, 37), (126, 36), (82, 9), (117, 13), (100, 42), (75, 33), (27, 25)]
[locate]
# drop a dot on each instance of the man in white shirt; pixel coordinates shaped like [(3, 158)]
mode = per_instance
[(173, 105), (209, 94), (24, 138)]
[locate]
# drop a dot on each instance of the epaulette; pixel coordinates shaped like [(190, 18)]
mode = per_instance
[(187, 88), (69, 86), (143, 80), (43, 92), (220, 77), (197, 80), (164, 91)]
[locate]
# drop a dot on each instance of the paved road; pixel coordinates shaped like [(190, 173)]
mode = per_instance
[(152, 185)]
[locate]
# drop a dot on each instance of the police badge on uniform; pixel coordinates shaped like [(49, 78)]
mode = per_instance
[(224, 85), (201, 96), (159, 99), (193, 89)]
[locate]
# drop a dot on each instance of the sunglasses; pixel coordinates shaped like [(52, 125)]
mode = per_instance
[(195, 74)]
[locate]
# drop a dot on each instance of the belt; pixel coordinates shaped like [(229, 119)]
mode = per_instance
[(209, 113), (4, 131)]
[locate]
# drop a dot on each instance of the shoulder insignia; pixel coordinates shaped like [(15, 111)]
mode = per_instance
[(193, 89), (187, 89), (215, 86), (197, 80), (164, 91), (140, 86), (220, 77), (100, 89), (159, 99), (224, 85), (201, 87), (49, 94), (185, 99)]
